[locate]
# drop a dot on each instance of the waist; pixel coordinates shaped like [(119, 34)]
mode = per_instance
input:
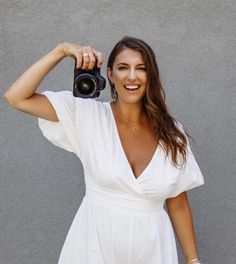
[(122, 202)]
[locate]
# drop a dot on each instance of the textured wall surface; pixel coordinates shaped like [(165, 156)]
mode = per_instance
[(41, 186)]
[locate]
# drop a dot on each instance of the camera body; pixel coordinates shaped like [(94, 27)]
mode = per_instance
[(88, 83)]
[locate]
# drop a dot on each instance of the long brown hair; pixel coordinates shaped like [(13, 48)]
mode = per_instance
[(166, 129)]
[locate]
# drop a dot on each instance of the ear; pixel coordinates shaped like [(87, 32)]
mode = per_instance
[(109, 74)]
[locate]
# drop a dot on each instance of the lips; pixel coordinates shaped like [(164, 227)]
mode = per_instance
[(131, 87)]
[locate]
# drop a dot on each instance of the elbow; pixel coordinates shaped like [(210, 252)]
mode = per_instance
[(8, 99)]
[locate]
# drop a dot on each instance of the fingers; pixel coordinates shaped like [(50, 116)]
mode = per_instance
[(79, 59), (92, 59), (85, 55), (99, 57), (86, 58)]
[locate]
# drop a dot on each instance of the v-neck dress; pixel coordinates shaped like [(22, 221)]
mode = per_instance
[(122, 219)]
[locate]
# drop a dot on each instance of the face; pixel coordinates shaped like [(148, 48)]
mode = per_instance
[(129, 76)]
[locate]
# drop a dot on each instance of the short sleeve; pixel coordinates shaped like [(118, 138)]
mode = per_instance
[(190, 175), (73, 113)]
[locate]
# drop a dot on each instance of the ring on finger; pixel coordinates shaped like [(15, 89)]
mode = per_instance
[(85, 55)]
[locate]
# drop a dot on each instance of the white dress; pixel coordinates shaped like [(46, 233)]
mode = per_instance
[(121, 219)]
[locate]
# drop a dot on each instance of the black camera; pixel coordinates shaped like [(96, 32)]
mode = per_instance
[(88, 83)]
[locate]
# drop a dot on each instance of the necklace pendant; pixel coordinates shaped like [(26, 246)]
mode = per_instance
[(135, 128)]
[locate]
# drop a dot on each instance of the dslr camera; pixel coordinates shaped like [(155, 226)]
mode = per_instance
[(88, 83)]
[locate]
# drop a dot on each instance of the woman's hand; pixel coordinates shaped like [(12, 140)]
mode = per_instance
[(85, 55)]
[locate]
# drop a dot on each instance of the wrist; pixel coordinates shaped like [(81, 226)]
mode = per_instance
[(60, 50)]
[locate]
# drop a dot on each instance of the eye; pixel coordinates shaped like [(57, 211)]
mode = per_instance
[(121, 68), (142, 68)]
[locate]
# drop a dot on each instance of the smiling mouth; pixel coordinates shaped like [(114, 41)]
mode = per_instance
[(131, 87)]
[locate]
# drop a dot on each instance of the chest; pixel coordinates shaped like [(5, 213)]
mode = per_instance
[(139, 146)]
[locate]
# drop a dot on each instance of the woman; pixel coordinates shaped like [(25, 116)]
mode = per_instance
[(135, 156)]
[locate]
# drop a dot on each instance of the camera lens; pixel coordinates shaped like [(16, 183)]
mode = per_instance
[(86, 86)]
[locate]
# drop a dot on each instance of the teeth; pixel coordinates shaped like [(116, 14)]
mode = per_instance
[(131, 86)]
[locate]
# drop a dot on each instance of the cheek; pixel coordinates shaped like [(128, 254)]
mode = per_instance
[(144, 77), (118, 77)]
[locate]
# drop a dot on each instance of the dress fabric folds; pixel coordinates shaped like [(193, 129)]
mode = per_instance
[(122, 219)]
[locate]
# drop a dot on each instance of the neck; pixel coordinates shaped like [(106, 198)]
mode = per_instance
[(129, 113)]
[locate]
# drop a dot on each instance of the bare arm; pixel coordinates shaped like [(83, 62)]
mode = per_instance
[(22, 93), (181, 217)]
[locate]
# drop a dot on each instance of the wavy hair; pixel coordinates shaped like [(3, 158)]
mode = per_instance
[(165, 128)]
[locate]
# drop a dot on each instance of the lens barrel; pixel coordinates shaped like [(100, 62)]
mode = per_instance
[(88, 83)]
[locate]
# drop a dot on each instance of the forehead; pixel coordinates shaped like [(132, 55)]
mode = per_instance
[(129, 56)]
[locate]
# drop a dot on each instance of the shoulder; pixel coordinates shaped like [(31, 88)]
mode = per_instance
[(91, 104), (67, 97), (92, 107)]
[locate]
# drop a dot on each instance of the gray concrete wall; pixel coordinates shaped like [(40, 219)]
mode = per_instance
[(41, 186)]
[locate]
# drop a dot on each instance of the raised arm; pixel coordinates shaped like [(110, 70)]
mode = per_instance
[(22, 93)]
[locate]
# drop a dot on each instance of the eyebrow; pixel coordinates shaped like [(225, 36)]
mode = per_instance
[(123, 63)]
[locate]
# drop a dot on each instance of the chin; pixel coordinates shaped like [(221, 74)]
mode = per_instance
[(133, 100)]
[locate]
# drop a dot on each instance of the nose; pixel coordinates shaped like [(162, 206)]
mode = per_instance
[(132, 75)]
